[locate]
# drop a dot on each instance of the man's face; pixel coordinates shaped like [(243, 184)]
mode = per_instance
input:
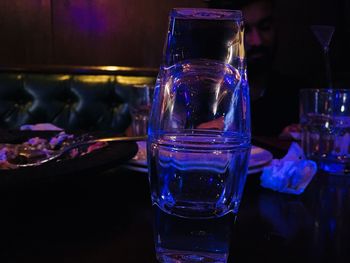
[(259, 35)]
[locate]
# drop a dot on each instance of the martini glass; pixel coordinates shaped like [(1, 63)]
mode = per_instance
[(324, 34)]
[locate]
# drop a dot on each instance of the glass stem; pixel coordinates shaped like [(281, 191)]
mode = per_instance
[(327, 67)]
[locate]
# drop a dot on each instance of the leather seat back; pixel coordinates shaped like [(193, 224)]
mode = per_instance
[(70, 101)]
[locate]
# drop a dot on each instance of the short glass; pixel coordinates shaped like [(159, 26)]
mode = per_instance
[(199, 135), (325, 123), (140, 106)]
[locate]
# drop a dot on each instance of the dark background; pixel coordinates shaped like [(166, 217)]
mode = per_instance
[(131, 33)]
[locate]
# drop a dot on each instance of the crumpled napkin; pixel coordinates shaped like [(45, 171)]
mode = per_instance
[(291, 174), (40, 127)]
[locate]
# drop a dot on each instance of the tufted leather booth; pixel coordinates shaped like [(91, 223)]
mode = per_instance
[(83, 98)]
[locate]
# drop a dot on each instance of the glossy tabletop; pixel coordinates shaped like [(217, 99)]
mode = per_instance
[(105, 216)]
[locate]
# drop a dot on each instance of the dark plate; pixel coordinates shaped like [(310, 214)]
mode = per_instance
[(93, 163)]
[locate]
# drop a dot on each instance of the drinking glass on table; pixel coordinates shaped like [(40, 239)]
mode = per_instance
[(140, 106), (325, 124), (199, 135)]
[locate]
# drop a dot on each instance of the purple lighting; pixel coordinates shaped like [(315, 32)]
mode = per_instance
[(88, 17)]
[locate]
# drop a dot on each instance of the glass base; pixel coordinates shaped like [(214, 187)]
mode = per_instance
[(177, 256), (194, 240), (335, 168)]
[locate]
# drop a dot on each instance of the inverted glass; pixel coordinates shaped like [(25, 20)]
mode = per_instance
[(199, 134)]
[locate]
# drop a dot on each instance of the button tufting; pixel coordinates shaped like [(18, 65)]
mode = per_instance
[(73, 101)]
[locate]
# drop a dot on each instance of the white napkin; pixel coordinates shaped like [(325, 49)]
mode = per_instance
[(40, 127), (291, 174)]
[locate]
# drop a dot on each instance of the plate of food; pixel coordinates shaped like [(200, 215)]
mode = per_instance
[(259, 158), (21, 147)]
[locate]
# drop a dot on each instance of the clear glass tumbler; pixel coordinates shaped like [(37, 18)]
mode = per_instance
[(325, 123), (140, 107), (199, 135)]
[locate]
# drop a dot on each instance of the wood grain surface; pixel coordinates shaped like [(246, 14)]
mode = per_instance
[(25, 30), (85, 32)]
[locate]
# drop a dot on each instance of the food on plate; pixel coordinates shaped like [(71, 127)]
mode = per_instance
[(37, 148)]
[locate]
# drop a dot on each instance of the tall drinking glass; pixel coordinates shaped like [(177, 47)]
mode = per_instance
[(199, 135)]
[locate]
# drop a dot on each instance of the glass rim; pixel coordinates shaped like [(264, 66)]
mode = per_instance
[(206, 14)]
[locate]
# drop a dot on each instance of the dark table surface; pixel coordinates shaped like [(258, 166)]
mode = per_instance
[(106, 216)]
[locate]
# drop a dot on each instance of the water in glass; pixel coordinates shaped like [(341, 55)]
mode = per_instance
[(199, 135)]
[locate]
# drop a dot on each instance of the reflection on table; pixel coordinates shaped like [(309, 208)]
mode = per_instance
[(106, 216)]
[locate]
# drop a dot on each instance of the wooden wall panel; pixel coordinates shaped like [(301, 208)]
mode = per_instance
[(25, 32), (132, 32), (112, 32)]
